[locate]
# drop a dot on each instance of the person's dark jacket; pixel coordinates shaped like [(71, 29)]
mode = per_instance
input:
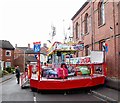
[(17, 73)]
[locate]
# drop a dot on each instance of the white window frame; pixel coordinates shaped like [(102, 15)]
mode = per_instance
[(9, 52)]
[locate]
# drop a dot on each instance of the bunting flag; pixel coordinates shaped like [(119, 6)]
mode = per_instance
[(105, 47)]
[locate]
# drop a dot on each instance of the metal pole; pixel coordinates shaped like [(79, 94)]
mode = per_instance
[(39, 68), (24, 60)]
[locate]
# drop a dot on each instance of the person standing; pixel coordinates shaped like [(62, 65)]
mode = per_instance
[(17, 74)]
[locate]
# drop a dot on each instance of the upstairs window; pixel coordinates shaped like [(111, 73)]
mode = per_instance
[(77, 30), (8, 53), (86, 23), (101, 13)]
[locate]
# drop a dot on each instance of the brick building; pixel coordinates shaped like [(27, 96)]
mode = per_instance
[(1, 62), (22, 57), (95, 24), (6, 54), (25, 55)]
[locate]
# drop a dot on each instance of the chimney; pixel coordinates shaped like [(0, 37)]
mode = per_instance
[(28, 46)]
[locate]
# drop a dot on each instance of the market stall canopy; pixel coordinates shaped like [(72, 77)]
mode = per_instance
[(57, 46)]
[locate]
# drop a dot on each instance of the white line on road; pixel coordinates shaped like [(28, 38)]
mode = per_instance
[(34, 99)]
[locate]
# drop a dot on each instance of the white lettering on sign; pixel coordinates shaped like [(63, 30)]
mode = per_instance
[(79, 60)]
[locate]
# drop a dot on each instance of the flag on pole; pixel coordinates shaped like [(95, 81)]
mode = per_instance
[(53, 31), (69, 28)]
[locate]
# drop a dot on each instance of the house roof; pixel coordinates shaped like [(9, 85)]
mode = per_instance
[(22, 48), (31, 51), (80, 9), (4, 44), (30, 59)]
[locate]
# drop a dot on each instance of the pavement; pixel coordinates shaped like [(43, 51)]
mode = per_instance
[(107, 94), (102, 92), (6, 77)]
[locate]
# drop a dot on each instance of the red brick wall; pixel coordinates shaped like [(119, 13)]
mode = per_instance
[(118, 41), (8, 58), (17, 53), (19, 62), (102, 32), (19, 58)]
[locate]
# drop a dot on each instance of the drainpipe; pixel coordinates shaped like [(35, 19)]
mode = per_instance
[(92, 37), (114, 32)]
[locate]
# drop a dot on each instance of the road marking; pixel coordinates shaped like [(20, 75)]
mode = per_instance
[(34, 98)]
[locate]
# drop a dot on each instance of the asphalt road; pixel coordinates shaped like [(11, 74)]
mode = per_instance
[(11, 91)]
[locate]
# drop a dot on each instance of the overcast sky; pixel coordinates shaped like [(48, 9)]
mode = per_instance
[(27, 21)]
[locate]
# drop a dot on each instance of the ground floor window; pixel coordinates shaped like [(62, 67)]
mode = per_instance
[(7, 64)]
